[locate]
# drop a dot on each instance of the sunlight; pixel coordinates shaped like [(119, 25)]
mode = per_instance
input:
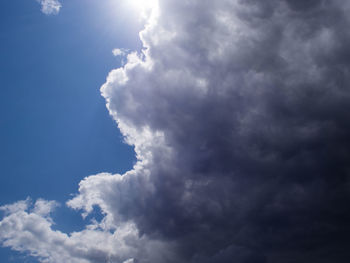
[(143, 5)]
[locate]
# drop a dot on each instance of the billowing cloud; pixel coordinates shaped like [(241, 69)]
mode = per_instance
[(238, 111), (28, 228), (50, 7)]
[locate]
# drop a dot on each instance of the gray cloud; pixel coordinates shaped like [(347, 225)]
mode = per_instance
[(238, 111)]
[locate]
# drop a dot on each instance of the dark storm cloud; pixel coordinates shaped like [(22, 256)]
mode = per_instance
[(239, 113), (252, 98)]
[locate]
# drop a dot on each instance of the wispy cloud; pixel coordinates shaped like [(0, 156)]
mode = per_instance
[(50, 7), (120, 52)]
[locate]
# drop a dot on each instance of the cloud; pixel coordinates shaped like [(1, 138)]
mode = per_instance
[(238, 111), (28, 228), (50, 7), (120, 52)]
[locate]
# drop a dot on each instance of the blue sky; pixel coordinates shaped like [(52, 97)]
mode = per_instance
[(54, 126)]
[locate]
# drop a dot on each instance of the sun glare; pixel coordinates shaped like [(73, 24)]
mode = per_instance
[(143, 5)]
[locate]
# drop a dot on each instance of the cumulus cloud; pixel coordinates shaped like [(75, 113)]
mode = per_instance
[(50, 7), (27, 227), (238, 111)]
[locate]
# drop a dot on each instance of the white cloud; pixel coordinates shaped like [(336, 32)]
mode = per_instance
[(120, 52), (27, 228), (50, 7)]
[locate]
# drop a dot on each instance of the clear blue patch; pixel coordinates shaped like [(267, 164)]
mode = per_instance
[(54, 126)]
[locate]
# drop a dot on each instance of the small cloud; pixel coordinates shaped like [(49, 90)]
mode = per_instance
[(50, 7), (120, 52)]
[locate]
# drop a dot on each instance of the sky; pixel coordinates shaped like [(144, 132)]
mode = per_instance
[(175, 131), (55, 128)]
